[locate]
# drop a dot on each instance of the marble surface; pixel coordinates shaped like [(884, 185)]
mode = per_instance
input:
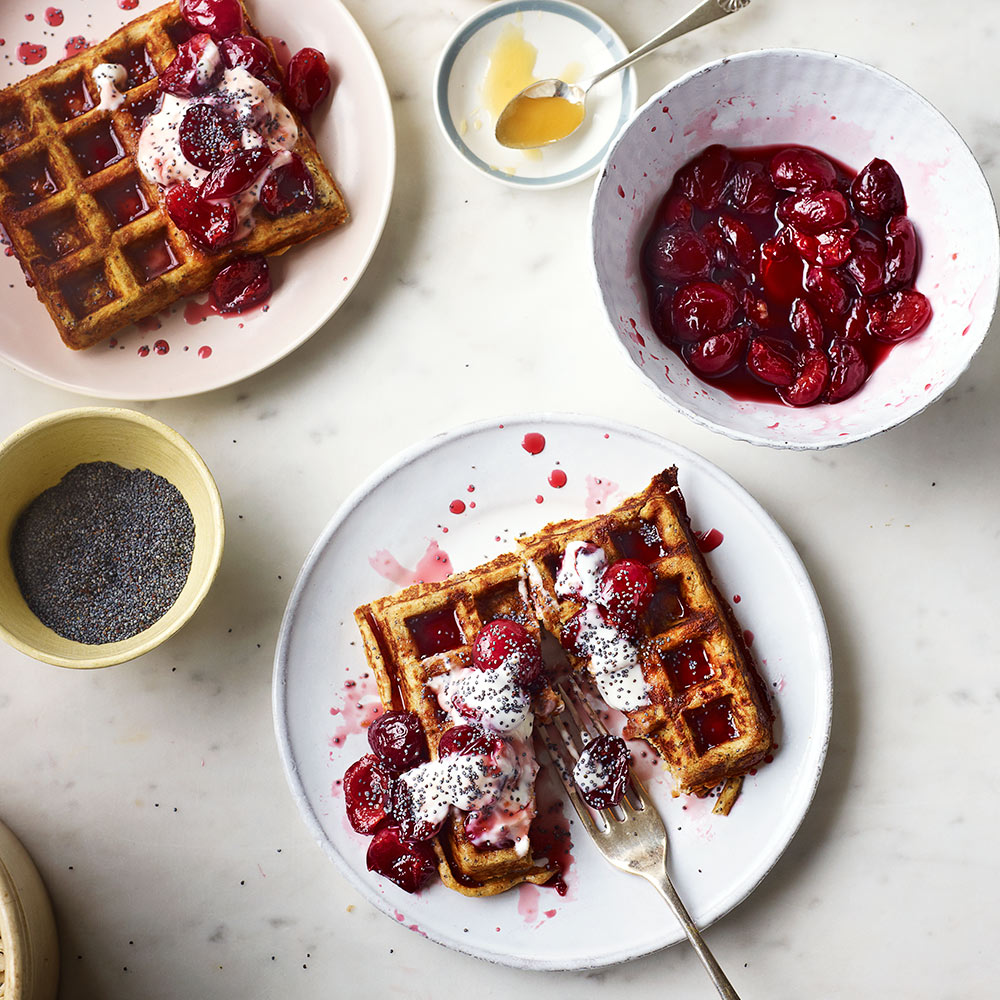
[(151, 794)]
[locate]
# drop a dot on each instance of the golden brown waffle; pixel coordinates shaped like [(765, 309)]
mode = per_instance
[(709, 719), (395, 630), (89, 230)]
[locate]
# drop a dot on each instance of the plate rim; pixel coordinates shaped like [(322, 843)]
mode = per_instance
[(817, 629), (388, 124)]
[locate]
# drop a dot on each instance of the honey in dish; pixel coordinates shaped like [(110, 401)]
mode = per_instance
[(533, 121)]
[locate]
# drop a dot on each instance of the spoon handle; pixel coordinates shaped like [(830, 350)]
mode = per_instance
[(705, 13)]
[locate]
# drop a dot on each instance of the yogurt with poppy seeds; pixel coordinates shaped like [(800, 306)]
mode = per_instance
[(265, 120)]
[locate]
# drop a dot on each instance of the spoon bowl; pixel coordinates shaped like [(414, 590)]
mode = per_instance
[(543, 113)]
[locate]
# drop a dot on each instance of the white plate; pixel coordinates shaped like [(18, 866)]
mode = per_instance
[(322, 695), (573, 43), (354, 133)]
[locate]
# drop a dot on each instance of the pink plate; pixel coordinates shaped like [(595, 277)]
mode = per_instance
[(191, 350)]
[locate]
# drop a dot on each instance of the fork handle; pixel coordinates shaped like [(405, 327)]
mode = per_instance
[(661, 882)]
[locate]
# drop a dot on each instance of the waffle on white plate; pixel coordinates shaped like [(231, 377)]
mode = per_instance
[(422, 633), (91, 232), (703, 707), (707, 713)]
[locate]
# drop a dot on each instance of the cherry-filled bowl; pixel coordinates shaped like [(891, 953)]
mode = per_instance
[(853, 113)]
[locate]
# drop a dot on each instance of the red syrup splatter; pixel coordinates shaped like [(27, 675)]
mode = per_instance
[(197, 312), (737, 598), (161, 347), (205, 352), (434, 566), (53, 16), (557, 479), (29, 17), (143, 351), (470, 488), (457, 507), (539, 499), (598, 492), (533, 443), (748, 637), (74, 45), (709, 540), (128, 4), (550, 833), (29, 53)]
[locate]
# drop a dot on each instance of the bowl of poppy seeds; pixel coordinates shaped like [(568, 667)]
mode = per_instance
[(111, 533)]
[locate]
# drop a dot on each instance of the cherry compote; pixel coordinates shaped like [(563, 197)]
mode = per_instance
[(601, 773), (506, 642), (780, 275)]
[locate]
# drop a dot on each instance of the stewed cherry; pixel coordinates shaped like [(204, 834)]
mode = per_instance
[(241, 285), (601, 773), (505, 642), (210, 224), (368, 787), (398, 740), (471, 741), (408, 863), (307, 80), (288, 188), (626, 591), (207, 135), (220, 18), (185, 76)]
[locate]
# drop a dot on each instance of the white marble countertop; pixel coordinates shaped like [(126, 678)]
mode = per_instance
[(151, 794)]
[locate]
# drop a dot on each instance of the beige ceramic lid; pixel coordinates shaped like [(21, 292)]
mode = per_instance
[(29, 948)]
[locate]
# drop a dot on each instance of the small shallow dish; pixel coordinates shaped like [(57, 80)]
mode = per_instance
[(571, 41), (39, 455), (29, 967), (469, 494), (854, 113)]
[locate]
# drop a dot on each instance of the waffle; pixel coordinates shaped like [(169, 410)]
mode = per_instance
[(91, 233), (709, 717), (391, 629)]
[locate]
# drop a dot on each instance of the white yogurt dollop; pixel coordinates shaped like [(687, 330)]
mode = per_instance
[(110, 79)]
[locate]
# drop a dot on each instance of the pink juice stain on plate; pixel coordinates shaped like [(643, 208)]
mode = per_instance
[(598, 492), (434, 565)]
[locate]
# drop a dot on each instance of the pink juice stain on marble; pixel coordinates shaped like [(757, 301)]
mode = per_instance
[(434, 565), (599, 492)]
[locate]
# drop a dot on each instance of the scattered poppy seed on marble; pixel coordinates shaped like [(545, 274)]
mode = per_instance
[(103, 554)]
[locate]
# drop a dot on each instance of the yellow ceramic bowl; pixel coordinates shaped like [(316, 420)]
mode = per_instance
[(39, 455)]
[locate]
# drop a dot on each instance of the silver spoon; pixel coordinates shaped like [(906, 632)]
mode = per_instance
[(509, 134)]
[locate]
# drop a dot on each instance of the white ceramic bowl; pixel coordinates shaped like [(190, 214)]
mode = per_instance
[(853, 112)]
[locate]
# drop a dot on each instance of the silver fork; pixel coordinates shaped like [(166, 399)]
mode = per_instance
[(631, 835)]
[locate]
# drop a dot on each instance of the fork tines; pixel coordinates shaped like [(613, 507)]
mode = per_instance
[(564, 739)]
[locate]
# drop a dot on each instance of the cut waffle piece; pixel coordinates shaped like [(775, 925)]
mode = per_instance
[(428, 630), (90, 231), (709, 717)]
